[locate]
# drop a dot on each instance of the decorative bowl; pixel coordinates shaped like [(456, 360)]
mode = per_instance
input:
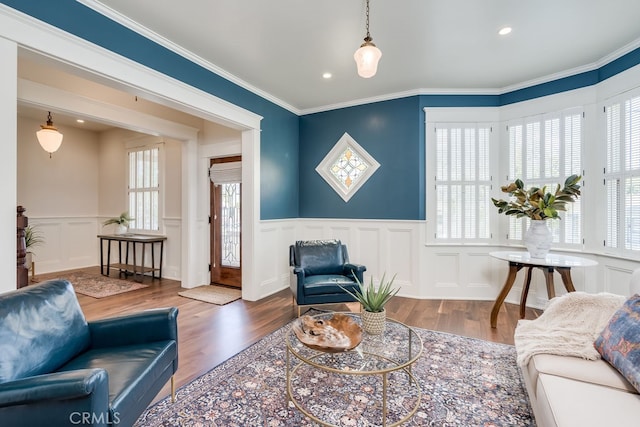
[(336, 334)]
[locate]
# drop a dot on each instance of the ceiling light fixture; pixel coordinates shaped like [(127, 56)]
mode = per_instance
[(504, 31), (49, 137), (368, 55)]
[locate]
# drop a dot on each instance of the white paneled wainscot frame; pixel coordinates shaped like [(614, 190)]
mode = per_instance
[(424, 271)]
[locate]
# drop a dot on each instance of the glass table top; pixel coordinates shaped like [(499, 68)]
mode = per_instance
[(396, 348)]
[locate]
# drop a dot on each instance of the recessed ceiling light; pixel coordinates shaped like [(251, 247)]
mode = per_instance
[(504, 31), (80, 121), (326, 75)]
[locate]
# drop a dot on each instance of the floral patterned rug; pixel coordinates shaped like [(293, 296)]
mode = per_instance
[(465, 382), (96, 285)]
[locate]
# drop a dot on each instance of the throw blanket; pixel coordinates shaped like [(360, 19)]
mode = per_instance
[(567, 327)]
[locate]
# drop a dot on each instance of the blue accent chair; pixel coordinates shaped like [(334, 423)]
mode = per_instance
[(57, 369), (319, 266)]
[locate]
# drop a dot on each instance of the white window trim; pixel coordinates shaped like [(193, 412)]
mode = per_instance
[(540, 118), (488, 116), (620, 251), (146, 143)]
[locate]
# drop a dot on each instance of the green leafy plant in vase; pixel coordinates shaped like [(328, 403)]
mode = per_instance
[(373, 299), (538, 204), (122, 222), (32, 237)]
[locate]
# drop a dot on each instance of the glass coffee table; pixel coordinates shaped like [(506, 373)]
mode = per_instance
[(373, 382)]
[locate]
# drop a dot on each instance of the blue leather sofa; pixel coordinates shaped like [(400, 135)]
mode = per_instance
[(57, 369), (319, 267)]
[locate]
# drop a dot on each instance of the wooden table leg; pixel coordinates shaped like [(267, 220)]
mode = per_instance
[(135, 262), (108, 255), (101, 257), (548, 277), (525, 292), (565, 273), (142, 262), (508, 284)]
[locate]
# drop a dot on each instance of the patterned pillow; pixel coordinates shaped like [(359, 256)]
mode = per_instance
[(619, 342)]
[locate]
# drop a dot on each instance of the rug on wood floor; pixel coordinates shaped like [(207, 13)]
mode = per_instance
[(97, 285), (464, 382), (219, 295)]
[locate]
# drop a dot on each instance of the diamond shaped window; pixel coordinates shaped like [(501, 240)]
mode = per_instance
[(347, 167)]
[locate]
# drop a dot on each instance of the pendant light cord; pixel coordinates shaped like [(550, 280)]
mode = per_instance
[(368, 37)]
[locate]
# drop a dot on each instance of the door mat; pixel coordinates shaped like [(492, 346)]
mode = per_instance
[(219, 295)]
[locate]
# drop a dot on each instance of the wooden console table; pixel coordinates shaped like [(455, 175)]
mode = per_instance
[(138, 265), (552, 262)]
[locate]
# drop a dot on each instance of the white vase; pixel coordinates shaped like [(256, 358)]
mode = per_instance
[(121, 229), (28, 260), (537, 239)]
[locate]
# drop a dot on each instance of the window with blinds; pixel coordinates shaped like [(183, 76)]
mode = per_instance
[(622, 175), (144, 188), (462, 182), (545, 150)]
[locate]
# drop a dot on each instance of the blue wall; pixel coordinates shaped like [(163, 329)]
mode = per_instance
[(391, 131), (279, 136)]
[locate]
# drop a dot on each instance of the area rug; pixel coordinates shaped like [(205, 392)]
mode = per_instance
[(97, 285), (219, 295), (465, 382)]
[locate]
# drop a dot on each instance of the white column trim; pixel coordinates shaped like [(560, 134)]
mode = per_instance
[(48, 43), (8, 163)]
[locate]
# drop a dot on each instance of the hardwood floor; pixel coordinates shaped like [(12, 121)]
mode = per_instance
[(209, 334)]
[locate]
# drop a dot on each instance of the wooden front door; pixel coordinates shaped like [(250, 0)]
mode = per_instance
[(225, 229)]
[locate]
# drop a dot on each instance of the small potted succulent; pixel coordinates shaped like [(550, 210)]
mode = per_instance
[(122, 222), (373, 299)]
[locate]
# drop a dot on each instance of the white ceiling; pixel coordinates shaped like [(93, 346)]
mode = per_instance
[(281, 48), (61, 119)]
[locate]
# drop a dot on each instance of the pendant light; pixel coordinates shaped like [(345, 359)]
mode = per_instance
[(368, 55), (49, 137)]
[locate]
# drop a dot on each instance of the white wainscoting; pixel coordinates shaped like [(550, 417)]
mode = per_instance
[(425, 271), (69, 242), (172, 248), (272, 262)]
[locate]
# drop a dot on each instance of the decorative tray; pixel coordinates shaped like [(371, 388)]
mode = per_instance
[(334, 335)]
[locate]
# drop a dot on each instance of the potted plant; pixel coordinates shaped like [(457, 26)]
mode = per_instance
[(32, 238), (373, 299), (122, 222), (538, 205)]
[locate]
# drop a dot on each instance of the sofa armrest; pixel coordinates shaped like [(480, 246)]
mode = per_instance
[(297, 284), (356, 270), (57, 386), (146, 326)]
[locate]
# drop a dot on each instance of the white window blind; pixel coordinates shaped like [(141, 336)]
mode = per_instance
[(226, 173), (462, 182), (545, 150), (144, 188), (622, 175)]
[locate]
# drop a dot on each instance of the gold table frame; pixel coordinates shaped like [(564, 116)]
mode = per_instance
[(296, 351)]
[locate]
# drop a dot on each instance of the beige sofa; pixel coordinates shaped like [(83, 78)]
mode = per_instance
[(570, 391)]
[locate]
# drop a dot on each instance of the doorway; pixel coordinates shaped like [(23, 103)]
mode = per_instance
[(226, 221)]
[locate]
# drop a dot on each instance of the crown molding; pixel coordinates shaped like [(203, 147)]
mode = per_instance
[(164, 42), (145, 32), (124, 74)]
